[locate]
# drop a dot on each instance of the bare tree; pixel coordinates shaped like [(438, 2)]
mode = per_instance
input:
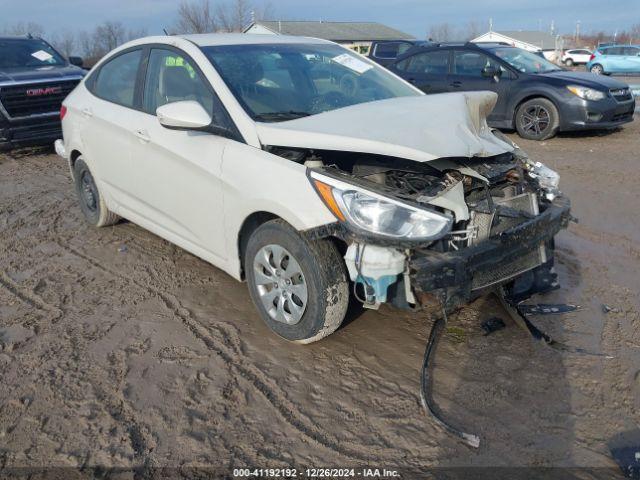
[(105, 37), (22, 28), (203, 16), (634, 33), (65, 42), (472, 30), (196, 17), (442, 32)]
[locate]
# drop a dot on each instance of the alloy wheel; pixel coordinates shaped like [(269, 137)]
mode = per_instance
[(535, 119)]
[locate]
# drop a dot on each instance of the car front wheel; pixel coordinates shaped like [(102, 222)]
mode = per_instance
[(568, 62), (597, 69), (91, 201), (299, 286), (537, 119)]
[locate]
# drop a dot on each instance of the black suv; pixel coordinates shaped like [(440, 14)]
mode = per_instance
[(34, 79), (535, 96)]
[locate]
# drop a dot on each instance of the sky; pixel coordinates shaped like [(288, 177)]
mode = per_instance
[(412, 16)]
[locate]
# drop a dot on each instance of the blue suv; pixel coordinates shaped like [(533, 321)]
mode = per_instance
[(615, 59)]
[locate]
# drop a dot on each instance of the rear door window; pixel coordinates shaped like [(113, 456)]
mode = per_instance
[(471, 64), (388, 50), (116, 81), (430, 63)]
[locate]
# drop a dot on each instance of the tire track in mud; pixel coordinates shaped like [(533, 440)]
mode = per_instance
[(228, 346), (28, 297)]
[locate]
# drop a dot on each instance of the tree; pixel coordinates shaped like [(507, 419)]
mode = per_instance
[(471, 31), (442, 32), (104, 38), (201, 16), (196, 17), (22, 28), (65, 42)]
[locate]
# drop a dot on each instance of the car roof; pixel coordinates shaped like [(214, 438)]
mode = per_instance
[(212, 39)]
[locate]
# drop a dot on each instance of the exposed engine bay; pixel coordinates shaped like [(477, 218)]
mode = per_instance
[(484, 198)]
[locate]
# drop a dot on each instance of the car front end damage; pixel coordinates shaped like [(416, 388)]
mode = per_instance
[(498, 218), (434, 207)]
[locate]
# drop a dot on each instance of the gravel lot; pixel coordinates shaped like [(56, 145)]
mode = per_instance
[(118, 349)]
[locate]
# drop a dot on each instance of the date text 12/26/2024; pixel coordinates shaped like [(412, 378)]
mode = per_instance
[(314, 473)]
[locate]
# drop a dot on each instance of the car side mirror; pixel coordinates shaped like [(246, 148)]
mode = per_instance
[(491, 72), (184, 115), (77, 61)]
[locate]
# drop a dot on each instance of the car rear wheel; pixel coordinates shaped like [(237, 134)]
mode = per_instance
[(537, 119), (597, 69), (91, 202), (299, 286), (568, 62)]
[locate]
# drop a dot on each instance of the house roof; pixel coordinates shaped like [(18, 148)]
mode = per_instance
[(542, 40), (335, 31)]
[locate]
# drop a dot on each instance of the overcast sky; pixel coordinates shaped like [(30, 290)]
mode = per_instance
[(412, 16)]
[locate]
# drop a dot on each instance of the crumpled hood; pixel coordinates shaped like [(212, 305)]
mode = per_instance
[(420, 128)]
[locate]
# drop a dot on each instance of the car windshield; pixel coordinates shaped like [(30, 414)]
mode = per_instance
[(23, 52), (278, 82), (526, 62)]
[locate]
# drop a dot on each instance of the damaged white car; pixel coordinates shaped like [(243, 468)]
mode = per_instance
[(311, 173)]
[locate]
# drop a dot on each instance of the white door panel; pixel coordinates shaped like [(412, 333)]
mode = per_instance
[(107, 134), (178, 182)]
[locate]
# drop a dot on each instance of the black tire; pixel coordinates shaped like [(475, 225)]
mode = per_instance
[(92, 204), (324, 274), (597, 69), (568, 62), (547, 117)]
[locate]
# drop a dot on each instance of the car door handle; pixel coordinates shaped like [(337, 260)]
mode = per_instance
[(456, 84), (143, 136), (87, 112)]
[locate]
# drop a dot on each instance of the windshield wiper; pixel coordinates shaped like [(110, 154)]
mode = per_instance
[(289, 115)]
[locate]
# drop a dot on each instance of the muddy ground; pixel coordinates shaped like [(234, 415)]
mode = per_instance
[(119, 349)]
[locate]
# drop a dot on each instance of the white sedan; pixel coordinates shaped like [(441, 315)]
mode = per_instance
[(311, 173)]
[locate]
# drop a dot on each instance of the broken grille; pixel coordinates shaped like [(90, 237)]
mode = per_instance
[(488, 226)]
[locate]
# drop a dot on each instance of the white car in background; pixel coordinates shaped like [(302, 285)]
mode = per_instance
[(577, 56), (309, 171)]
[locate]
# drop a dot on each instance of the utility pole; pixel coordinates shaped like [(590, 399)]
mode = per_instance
[(491, 24), (577, 32), (553, 27)]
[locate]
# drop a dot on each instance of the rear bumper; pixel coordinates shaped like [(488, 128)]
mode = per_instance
[(30, 132), (579, 114), (455, 271)]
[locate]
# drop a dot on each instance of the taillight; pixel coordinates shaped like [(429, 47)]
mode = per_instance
[(593, 55), (63, 111)]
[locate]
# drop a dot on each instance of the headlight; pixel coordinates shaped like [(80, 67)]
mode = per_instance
[(586, 93), (369, 212), (548, 179)]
